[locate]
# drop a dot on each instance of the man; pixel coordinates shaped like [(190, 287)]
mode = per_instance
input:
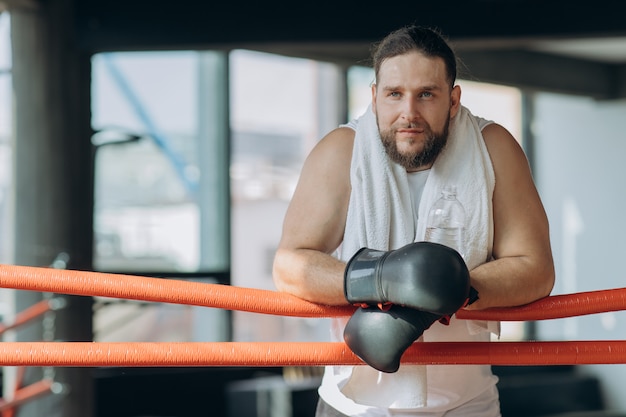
[(351, 196)]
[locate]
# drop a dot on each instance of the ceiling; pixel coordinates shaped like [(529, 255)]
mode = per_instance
[(574, 47), (604, 49)]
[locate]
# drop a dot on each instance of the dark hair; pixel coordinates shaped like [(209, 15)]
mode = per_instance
[(427, 41)]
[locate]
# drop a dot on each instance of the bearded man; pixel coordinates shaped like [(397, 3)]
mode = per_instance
[(354, 234)]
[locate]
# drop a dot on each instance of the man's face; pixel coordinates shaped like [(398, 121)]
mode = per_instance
[(414, 103)]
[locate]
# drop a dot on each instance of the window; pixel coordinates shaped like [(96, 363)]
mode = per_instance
[(7, 219), (148, 163), (6, 141), (278, 109), (162, 169), (161, 186)]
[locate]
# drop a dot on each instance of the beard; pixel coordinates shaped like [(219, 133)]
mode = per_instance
[(434, 143)]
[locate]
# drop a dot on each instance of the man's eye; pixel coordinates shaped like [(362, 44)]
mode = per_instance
[(394, 94), (426, 94)]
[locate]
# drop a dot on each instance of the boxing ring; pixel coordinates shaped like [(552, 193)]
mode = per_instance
[(207, 354)]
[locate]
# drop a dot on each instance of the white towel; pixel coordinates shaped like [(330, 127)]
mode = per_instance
[(380, 211), (380, 216)]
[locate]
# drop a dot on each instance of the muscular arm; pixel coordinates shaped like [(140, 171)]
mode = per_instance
[(314, 224), (522, 270)]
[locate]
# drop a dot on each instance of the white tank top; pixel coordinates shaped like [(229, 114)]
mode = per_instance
[(417, 181)]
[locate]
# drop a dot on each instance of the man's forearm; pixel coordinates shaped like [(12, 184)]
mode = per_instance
[(311, 275), (511, 281)]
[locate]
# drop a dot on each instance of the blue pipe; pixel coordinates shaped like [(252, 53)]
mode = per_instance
[(153, 131)]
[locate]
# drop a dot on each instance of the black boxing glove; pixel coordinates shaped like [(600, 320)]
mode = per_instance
[(422, 275), (380, 337)]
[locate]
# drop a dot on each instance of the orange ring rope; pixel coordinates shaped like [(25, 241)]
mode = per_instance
[(36, 310), (272, 302), (28, 393), (206, 354), (79, 354), (24, 316), (555, 307), (172, 291)]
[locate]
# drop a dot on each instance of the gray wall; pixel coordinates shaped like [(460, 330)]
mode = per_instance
[(580, 166)]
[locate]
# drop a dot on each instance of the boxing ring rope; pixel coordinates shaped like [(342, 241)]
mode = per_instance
[(36, 310), (9, 406), (170, 291), (189, 354), (23, 394), (29, 393), (254, 300), (233, 354)]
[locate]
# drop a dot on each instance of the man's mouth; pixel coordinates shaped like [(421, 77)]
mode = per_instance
[(410, 131)]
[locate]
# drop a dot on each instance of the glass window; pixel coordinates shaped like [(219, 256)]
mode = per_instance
[(6, 141), (275, 121), (155, 153), (145, 214), (360, 80), (148, 210)]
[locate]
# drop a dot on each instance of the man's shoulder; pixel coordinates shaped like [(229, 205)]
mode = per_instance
[(501, 144), (340, 136), (337, 143), (495, 131)]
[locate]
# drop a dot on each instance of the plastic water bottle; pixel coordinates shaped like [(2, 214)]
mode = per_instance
[(446, 221)]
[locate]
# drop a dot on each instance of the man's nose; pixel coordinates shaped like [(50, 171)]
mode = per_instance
[(410, 110)]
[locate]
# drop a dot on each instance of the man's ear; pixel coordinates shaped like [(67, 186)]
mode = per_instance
[(374, 98), (455, 100)]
